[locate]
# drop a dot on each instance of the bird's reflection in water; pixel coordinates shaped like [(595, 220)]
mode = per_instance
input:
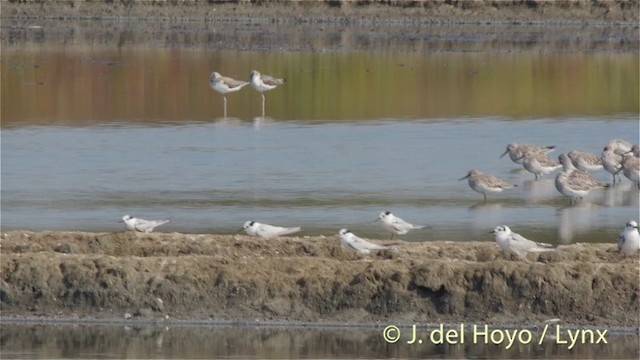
[(577, 220)]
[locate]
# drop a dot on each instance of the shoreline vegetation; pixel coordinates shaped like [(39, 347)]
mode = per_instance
[(619, 12), (222, 278)]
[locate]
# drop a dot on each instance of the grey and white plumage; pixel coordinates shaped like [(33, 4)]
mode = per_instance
[(132, 223), (516, 244), (347, 238), (396, 225), (612, 162), (629, 239), (516, 151), (255, 228), (538, 163), (619, 146), (225, 85), (264, 83), (575, 183), (585, 161), (631, 167), (484, 183)]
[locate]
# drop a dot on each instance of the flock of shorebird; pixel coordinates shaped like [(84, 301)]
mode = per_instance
[(574, 182), (260, 82)]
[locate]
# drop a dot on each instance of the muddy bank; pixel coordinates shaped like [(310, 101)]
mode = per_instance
[(220, 277), (336, 11)]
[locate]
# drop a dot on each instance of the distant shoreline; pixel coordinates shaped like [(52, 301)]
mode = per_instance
[(489, 12)]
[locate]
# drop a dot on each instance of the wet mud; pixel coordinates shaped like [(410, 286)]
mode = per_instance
[(310, 279)]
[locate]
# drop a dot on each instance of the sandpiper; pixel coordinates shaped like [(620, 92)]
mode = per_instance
[(585, 161), (516, 151), (575, 183), (612, 162), (538, 163), (484, 183)]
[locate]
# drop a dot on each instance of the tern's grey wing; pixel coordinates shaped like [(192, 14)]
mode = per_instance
[(400, 224), (289, 230), (362, 244), (148, 225), (523, 244), (270, 80)]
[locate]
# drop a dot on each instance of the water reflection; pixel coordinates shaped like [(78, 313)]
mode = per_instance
[(159, 85), (106, 341)]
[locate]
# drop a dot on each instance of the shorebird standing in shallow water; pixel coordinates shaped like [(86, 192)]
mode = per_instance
[(264, 83), (225, 85), (255, 228), (516, 151), (538, 163), (612, 162), (575, 183), (396, 225), (484, 184), (585, 161), (516, 244), (629, 239), (140, 225), (631, 165), (619, 147)]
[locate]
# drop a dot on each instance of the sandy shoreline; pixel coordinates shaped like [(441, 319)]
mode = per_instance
[(103, 276)]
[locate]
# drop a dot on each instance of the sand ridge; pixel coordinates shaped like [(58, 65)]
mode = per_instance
[(311, 279)]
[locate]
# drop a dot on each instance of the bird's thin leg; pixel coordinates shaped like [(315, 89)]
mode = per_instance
[(263, 105), (485, 198), (225, 106), (536, 175)]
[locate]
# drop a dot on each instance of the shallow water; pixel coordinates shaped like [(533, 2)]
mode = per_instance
[(92, 130), (130, 341), (211, 177)]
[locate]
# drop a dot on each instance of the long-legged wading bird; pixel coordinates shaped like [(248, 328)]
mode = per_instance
[(225, 85), (264, 83)]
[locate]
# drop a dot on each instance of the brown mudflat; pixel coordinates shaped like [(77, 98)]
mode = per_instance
[(314, 279)]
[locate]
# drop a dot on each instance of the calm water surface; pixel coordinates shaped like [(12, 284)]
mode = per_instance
[(106, 341), (93, 130), (211, 177)]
